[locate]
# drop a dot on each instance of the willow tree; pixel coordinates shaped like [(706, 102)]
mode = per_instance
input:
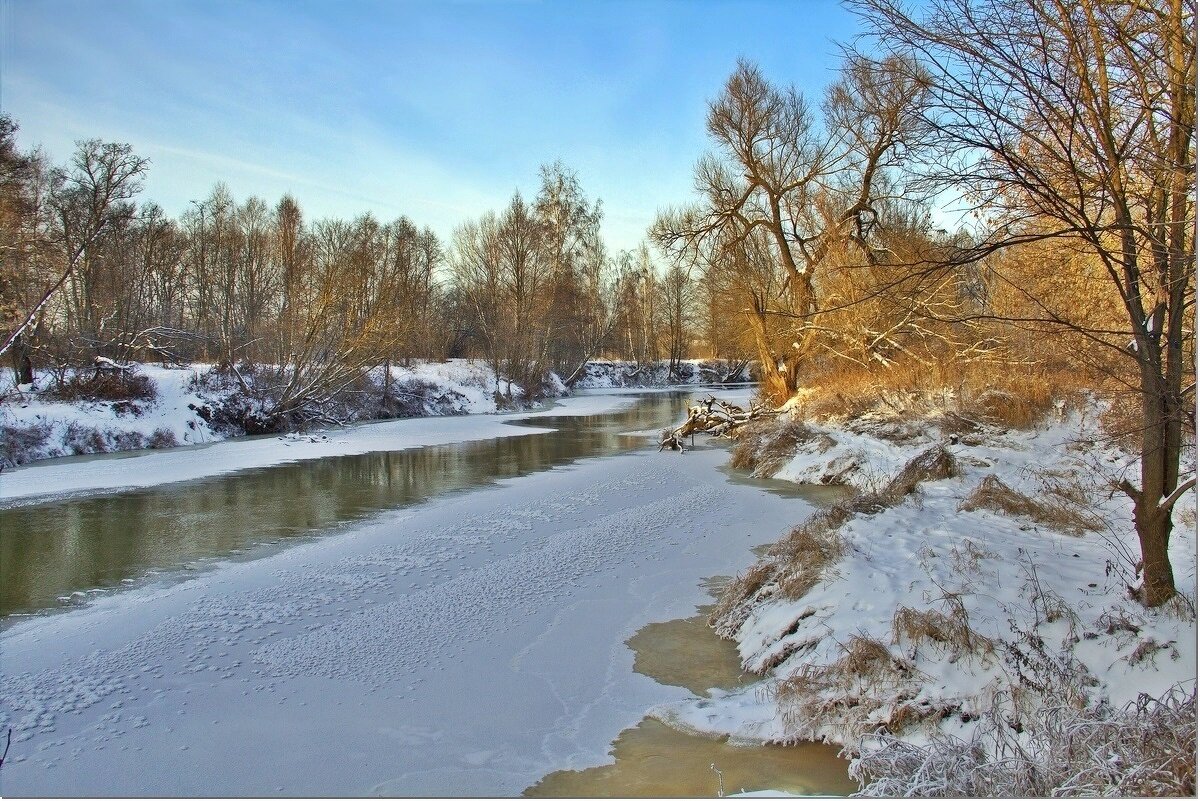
[(1075, 122), (778, 179)]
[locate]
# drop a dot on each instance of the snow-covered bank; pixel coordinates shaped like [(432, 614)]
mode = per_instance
[(185, 406), (467, 646), (991, 583), (40, 481), (196, 405), (609, 374)]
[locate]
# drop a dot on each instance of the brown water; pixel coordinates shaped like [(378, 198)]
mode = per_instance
[(654, 760)]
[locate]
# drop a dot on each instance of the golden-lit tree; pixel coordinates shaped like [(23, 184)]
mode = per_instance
[(1075, 122)]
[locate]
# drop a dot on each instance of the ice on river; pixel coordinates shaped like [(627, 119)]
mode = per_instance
[(464, 647)]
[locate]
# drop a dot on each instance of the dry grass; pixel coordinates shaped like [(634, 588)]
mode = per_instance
[(931, 465), (792, 566), (807, 552), (765, 446), (950, 630), (964, 394), (866, 687), (800, 561), (737, 597), (1146, 749), (1060, 513)]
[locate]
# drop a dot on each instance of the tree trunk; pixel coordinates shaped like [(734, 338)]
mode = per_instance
[(1158, 477), (1154, 535), (22, 360)]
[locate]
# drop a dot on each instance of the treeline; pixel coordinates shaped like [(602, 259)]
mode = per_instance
[(92, 270)]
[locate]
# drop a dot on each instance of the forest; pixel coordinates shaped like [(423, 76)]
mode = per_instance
[(92, 270)]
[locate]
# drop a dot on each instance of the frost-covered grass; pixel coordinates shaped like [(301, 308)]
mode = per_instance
[(981, 575), (1145, 749)]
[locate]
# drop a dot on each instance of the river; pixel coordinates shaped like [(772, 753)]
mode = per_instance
[(447, 620)]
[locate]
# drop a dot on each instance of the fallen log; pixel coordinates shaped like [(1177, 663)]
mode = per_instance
[(716, 418)]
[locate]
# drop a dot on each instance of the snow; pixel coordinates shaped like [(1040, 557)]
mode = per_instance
[(613, 374), (38, 481), (169, 412), (1016, 578), (174, 416), (466, 646)]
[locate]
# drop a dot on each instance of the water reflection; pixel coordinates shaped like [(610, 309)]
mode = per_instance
[(50, 551)]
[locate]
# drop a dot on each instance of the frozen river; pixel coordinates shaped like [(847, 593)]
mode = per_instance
[(464, 639)]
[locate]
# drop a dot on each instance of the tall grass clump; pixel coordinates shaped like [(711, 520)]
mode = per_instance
[(765, 446)]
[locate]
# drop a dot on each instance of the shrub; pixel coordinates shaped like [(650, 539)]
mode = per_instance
[(1146, 749), (84, 385), (79, 439), (23, 444), (162, 438)]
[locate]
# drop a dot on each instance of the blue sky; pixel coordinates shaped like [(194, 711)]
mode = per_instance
[(435, 110)]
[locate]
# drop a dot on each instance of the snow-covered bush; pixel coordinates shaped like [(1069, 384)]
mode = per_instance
[(1146, 748)]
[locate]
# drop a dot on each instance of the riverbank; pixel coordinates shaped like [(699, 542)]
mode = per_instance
[(152, 407), (980, 579)]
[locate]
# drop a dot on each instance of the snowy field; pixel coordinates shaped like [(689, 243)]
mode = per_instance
[(467, 646)]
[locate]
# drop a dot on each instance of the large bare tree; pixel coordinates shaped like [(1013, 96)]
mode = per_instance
[(1074, 120), (784, 195)]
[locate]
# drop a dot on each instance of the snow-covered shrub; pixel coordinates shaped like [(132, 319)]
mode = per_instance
[(1147, 748), (88, 385), (162, 437), (78, 439), (22, 444)]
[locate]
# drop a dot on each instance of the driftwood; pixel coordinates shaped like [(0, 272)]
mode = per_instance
[(717, 418)]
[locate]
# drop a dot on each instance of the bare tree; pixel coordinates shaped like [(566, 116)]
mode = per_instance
[(1075, 121), (23, 246), (782, 194), (87, 201)]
